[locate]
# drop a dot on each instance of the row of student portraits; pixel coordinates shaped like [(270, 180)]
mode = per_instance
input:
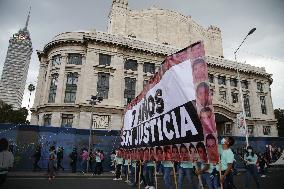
[(191, 152)]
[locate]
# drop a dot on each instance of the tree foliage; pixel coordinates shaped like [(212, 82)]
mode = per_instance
[(279, 115), (8, 115)]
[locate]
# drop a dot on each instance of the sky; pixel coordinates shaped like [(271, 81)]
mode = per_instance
[(264, 48)]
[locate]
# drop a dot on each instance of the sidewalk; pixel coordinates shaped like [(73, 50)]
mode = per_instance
[(60, 174)]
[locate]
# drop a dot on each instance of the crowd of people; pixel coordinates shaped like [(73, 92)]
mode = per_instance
[(143, 168), (88, 161), (199, 174)]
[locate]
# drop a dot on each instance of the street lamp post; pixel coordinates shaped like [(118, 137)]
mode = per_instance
[(240, 87), (94, 100)]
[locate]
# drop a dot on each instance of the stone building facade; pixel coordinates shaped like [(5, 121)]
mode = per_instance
[(16, 66), (117, 63)]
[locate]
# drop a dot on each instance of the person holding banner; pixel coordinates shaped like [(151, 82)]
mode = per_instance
[(227, 159), (251, 168), (149, 175), (168, 167), (119, 161), (185, 168)]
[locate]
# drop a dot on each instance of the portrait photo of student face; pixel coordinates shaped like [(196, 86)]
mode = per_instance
[(146, 154), (193, 153), (168, 153), (135, 154), (159, 153), (152, 154), (212, 148), (207, 119), (175, 153), (202, 92), (199, 71), (184, 154), (197, 51), (119, 153), (141, 154), (201, 151)]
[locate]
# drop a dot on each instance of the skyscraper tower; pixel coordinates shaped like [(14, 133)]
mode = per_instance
[(15, 71)]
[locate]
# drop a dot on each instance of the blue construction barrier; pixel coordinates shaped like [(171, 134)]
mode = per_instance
[(24, 139)]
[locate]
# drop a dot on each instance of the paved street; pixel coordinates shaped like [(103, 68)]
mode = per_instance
[(274, 180)]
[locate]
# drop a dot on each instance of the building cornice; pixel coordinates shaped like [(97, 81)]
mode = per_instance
[(140, 45)]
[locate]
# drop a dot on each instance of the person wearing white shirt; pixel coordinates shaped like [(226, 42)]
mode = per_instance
[(251, 169), (6, 160)]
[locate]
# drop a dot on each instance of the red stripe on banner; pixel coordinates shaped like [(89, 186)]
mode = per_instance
[(191, 52)]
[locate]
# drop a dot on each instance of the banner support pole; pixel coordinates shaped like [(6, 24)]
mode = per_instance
[(139, 176), (220, 174), (175, 176), (155, 169)]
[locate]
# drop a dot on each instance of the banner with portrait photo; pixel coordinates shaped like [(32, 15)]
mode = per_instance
[(174, 110)]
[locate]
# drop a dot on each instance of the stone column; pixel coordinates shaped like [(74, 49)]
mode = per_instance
[(89, 86), (80, 82), (117, 83), (268, 101), (254, 100), (216, 95), (60, 94), (140, 78), (229, 91), (46, 85)]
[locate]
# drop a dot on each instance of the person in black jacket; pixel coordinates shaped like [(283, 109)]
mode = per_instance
[(74, 157), (60, 158), (36, 158)]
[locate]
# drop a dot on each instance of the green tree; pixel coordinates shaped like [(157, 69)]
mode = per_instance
[(8, 115), (279, 115)]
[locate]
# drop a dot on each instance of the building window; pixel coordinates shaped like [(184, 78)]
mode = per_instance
[(247, 105), (104, 59), (221, 80), (234, 82), (250, 130), (103, 85), (259, 86), (149, 67), (47, 120), (130, 86), (67, 120), (211, 78), (53, 87), (228, 129), (266, 130), (263, 105), (223, 94), (71, 88), (235, 98), (75, 58), (55, 60), (130, 65), (244, 84)]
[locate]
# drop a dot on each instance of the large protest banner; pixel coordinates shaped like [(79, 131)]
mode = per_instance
[(173, 118)]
